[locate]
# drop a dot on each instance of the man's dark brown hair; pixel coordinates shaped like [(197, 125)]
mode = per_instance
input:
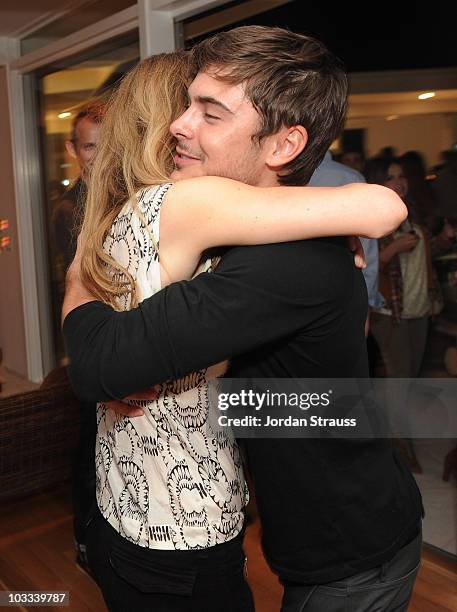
[(289, 78)]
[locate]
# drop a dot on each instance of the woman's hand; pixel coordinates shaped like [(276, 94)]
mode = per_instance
[(402, 244), (405, 243)]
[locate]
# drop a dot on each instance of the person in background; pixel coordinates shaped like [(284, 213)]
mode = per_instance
[(444, 187), (421, 200), (331, 173), (353, 158), (386, 152), (82, 146), (407, 282), (406, 279)]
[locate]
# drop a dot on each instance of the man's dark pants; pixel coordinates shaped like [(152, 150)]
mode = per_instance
[(387, 588)]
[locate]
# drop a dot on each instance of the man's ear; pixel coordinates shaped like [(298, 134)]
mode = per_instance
[(287, 144), (69, 145)]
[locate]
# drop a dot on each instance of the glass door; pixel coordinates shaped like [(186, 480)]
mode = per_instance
[(71, 101)]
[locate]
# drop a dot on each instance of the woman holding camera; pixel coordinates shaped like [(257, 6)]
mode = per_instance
[(406, 280), (410, 288)]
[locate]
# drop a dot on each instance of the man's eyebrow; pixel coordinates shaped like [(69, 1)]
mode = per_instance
[(211, 100)]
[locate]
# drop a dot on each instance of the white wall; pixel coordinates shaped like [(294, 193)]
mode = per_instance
[(430, 134)]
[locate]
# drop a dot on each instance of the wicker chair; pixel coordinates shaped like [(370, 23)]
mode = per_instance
[(38, 436)]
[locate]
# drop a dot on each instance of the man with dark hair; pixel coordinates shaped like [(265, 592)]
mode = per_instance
[(290, 81), (341, 518)]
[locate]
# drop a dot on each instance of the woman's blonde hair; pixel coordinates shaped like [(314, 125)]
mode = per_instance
[(134, 151)]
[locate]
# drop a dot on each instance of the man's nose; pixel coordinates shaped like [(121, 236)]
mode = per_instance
[(182, 126)]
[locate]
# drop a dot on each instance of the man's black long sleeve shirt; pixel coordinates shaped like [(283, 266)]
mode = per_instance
[(256, 296), (329, 508)]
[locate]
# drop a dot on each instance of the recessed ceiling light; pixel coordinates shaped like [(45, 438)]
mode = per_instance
[(67, 114), (391, 117), (425, 96)]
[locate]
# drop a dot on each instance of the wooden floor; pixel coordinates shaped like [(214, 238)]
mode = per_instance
[(36, 553)]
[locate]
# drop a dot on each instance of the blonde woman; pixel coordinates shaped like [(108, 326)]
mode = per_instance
[(171, 493)]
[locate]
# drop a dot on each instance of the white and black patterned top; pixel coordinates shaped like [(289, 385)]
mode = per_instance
[(164, 480)]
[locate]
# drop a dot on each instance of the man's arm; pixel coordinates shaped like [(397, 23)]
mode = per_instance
[(257, 295)]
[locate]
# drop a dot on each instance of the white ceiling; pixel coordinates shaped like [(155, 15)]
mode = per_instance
[(402, 103), (18, 16), (404, 96)]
